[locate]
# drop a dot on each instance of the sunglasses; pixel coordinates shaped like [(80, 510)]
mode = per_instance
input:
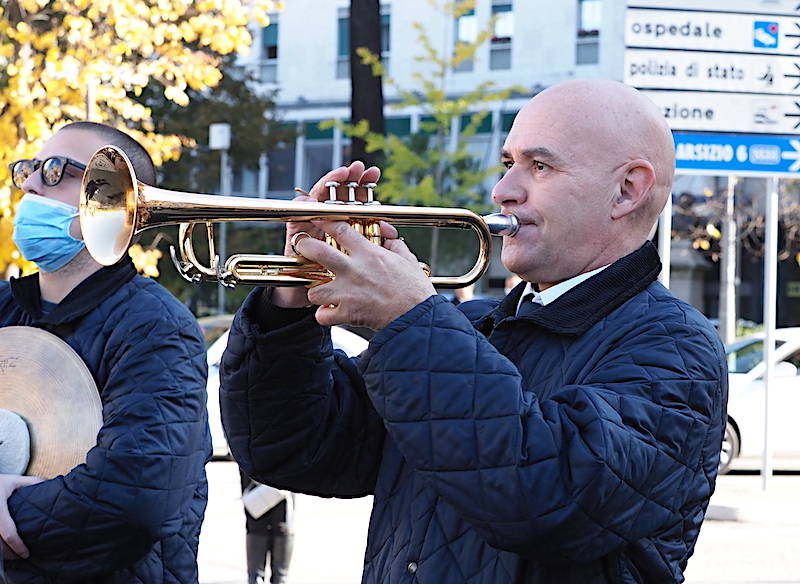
[(52, 169)]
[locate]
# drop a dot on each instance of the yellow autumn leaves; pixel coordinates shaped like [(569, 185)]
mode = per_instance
[(55, 53)]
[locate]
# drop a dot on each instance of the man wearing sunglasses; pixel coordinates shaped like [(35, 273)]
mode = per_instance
[(132, 512)]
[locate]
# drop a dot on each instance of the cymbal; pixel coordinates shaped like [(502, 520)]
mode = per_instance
[(46, 383)]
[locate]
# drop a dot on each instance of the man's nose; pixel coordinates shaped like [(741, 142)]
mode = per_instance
[(33, 184), (508, 191)]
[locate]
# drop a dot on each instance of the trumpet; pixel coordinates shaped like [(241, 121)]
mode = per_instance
[(115, 207)]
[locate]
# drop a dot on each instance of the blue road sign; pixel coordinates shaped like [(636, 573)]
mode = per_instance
[(765, 34), (737, 154)]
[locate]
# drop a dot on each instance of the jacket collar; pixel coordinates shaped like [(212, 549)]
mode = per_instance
[(582, 307), (84, 298)]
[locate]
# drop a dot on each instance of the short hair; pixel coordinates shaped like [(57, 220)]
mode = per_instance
[(140, 159)]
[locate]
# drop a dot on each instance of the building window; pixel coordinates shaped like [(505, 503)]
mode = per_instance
[(343, 44), (466, 33), (589, 20), (245, 181), (268, 65), (500, 47), (281, 169)]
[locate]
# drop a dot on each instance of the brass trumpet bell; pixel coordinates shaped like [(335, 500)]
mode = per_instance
[(115, 207)]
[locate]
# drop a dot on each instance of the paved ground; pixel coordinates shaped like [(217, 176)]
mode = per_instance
[(759, 543)]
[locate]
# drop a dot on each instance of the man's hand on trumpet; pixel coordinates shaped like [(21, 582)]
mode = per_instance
[(298, 297), (359, 295), (373, 286)]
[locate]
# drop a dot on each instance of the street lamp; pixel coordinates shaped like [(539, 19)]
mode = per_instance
[(219, 138)]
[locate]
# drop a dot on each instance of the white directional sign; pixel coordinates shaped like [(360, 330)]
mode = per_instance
[(774, 7), (701, 71), (712, 31), (731, 112), (718, 66)]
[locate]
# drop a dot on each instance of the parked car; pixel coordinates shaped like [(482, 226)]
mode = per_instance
[(349, 342), (744, 434)]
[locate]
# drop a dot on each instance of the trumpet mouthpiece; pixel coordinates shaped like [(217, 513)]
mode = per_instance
[(500, 224)]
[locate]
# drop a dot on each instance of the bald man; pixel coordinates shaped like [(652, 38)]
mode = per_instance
[(567, 434)]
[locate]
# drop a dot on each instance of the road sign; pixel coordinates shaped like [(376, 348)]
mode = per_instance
[(700, 71), (729, 112), (712, 31), (773, 7), (736, 154)]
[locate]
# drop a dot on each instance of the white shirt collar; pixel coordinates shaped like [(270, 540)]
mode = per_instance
[(550, 295)]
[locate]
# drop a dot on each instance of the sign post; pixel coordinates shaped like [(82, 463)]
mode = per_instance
[(219, 138)]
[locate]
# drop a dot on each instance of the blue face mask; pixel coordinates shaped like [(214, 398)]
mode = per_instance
[(41, 232)]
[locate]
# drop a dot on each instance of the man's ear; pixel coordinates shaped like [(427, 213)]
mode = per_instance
[(637, 180)]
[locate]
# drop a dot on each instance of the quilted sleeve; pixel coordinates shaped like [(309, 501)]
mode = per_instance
[(140, 478), (295, 412), (598, 465)]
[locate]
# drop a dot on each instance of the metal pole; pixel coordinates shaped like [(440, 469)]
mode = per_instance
[(91, 98), (770, 298), (665, 241), (727, 289), (263, 175), (222, 247)]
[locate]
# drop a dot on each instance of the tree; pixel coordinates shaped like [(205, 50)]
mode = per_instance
[(433, 167), (55, 53), (255, 128), (366, 89)]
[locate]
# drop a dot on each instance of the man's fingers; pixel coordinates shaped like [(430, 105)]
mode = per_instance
[(354, 173), (8, 532), (343, 174), (322, 253), (319, 192), (388, 231), (329, 315), (399, 247), (345, 235), (371, 175), (27, 481)]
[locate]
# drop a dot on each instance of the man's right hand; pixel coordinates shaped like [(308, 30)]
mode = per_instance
[(292, 297), (8, 531)]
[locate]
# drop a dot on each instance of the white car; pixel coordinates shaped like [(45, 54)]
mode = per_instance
[(744, 434), (349, 342)]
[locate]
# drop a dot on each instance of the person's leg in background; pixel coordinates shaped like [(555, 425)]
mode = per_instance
[(257, 540), (282, 540)]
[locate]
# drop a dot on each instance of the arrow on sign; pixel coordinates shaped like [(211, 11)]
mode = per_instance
[(795, 76), (795, 36), (795, 115), (789, 155)]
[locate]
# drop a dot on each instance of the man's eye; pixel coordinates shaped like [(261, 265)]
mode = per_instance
[(508, 164), (540, 166)]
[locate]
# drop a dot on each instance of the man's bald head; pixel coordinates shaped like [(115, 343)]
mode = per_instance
[(616, 122), (590, 167)]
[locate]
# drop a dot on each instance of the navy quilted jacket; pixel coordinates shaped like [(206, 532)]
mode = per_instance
[(131, 514), (573, 443)]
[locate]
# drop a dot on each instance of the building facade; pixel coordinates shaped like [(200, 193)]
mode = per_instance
[(532, 45)]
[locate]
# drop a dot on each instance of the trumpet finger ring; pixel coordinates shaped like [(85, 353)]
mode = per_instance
[(294, 239)]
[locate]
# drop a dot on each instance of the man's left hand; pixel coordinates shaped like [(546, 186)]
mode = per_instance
[(373, 285), (8, 531)]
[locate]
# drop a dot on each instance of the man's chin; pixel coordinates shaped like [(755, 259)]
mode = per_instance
[(521, 266)]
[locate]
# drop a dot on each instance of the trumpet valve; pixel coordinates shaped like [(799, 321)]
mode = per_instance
[(333, 198), (371, 193)]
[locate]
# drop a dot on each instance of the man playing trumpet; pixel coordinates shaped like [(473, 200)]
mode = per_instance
[(567, 434)]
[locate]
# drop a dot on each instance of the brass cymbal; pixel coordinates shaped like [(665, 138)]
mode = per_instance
[(44, 381)]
